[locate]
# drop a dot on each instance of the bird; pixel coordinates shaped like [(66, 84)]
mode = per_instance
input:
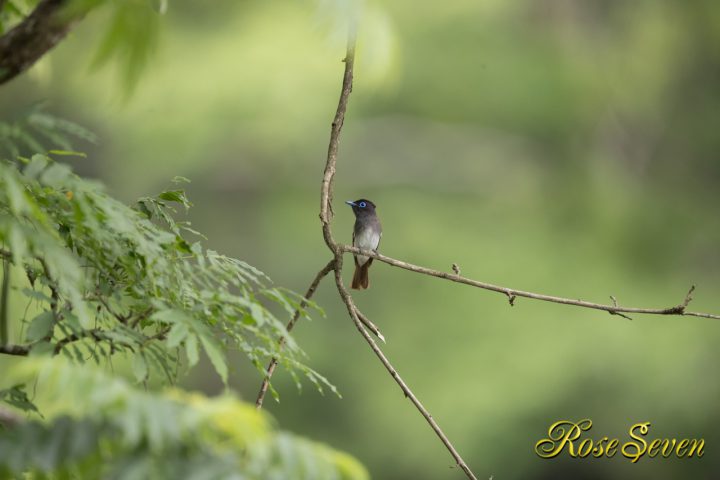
[(366, 235)]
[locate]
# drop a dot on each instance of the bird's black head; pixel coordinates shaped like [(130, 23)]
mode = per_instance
[(362, 207)]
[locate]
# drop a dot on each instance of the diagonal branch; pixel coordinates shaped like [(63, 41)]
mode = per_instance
[(355, 314), (274, 361), (511, 293), (44, 28)]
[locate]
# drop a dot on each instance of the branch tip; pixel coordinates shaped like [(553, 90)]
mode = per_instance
[(688, 297), (615, 312)]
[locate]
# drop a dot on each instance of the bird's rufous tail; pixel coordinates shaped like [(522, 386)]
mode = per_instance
[(361, 280)]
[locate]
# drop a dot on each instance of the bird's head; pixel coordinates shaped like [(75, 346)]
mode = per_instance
[(362, 207)]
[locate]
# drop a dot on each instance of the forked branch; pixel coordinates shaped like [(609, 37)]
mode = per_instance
[(326, 214)]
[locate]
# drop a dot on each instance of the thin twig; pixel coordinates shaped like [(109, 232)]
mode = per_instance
[(291, 324), (679, 309), (370, 326), (615, 304)]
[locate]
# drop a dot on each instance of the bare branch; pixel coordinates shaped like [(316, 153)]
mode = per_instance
[(326, 190), (274, 361), (511, 293)]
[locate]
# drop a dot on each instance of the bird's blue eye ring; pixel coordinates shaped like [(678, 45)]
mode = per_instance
[(363, 204)]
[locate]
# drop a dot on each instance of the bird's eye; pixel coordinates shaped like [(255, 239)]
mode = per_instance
[(363, 204)]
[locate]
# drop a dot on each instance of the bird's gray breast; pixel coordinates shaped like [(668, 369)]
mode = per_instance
[(367, 238)]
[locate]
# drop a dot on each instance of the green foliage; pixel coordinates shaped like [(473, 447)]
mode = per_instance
[(105, 279), (130, 33), (98, 426), (17, 397), (37, 129), (131, 37)]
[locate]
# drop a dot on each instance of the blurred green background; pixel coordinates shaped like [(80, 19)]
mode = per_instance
[(568, 148)]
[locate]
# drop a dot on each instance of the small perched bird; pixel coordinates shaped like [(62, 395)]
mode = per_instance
[(366, 235)]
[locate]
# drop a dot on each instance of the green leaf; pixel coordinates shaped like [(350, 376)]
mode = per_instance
[(217, 358), (140, 367), (191, 350), (130, 37), (177, 334), (36, 166), (41, 349), (17, 397), (34, 294), (18, 244), (40, 326), (68, 153), (56, 175), (18, 202), (177, 196)]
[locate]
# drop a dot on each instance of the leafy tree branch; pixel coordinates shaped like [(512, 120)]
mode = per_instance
[(103, 279)]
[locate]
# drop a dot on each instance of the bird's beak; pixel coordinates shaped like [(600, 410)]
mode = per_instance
[(352, 204)]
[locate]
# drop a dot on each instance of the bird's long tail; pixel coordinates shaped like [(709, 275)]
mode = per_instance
[(361, 280)]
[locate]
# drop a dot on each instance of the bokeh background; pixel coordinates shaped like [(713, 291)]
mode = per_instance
[(564, 147)]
